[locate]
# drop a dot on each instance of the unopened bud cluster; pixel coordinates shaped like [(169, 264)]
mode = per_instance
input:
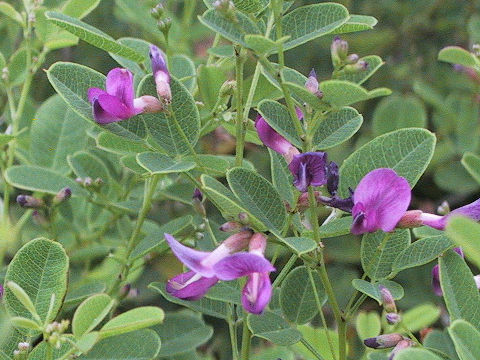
[(54, 332), (226, 8), (164, 22), (89, 183), (344, 62), (22, 350)]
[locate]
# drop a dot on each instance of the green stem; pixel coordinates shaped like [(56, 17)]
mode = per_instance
[(245, 339), (285, 271), (240, 125), (150, 186), (233, 332), (341, 325), (320, 311), (311, 349)]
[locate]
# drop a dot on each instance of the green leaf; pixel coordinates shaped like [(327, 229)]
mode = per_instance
[(368, 324), (17, 67), (9, 10), (372, 289), (416, 354), (183, 69), (40, 179), (135, 319), (182, 332), (119, 145), (40, 268), (206, 306), (250, 6), (50, 35), (374, 63), (459, 289), (79, 8), (297, 299), (421, 252), (92, 35), (228, 292), (303, 96), (398, 112), (177, 130), (458, 55), (226, 201), (317, 337), (76, 294), (380, 249), (140, 46), (24, 323), (154, 235), (5, 139), (300, 245), (282, 178), (259, 197), (138, 345), (272, 327), (441, 342), (356, 23), (278, 117), (90, 313), (420, 316), (72, 81), (39, 352), (407, 151), (56, 132), (464, 232), (466, 339), (230, 30), (471, 163), (337, 127), (85, 165), (210, 80), (157, 163), (213, 165), (340, 93), (260, 44), (309, 22), (336, 227)]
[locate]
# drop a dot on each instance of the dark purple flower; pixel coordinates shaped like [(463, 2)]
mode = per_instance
[(190, 285), (438, 222), (380, 200), (257, 292), (309, 169), (332, 177), (161, 74), (273, 139), (117, 103), (28, 201)]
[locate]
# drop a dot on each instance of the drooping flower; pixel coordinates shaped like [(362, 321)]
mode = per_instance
[(195, 283), (257, 291), (309, 169), (438, 222), (380, 200), (118, 101), (274, 140), (161, 74)]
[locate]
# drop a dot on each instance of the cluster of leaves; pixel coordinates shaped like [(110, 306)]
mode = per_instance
[(100, 243)]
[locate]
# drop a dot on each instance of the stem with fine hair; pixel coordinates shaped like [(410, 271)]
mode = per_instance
[(240, 125), (245, 353)]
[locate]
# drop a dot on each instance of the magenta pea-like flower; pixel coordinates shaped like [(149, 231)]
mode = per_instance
[(309, 169), (161, 74), (118, 102), (439, 222), (380, 200), (257, 292)]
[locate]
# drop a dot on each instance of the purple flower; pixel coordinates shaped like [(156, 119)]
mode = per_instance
[(273, 139), (309, 169), (161, 74), (437, 288), (438, 222), (194, 284), (257, 292), (117, 103), (332, 177), (312, 84), (1, 291), (380, 200), (383, 341)]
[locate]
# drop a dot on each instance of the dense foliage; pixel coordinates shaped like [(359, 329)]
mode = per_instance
[(178, 183)]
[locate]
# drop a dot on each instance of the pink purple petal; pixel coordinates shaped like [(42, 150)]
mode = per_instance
[(381, 199), (271, 138), (256, 293), (241, 264), (189, 257), (309, 169), (120, 84), (185, 286)]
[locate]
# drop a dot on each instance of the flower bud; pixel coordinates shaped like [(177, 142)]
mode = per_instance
[(23, 346), (164, 25), (387, 300), (243, 217), (332, 177), (230, 226), (444, 208), (383, 341), (258, 243), (352, 58), (87, 181), (476, 49), (158, 12), (403, 344), (393, 318), (62, 195), (5, 74), (226, 8), (31, 202), (40, 219), (411, 219), (359, 66), (228, 88), (312, 82), (149, 104), (197, 202), (339, 51)]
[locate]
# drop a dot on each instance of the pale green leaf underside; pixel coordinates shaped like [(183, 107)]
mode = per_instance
[(274, 328)]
